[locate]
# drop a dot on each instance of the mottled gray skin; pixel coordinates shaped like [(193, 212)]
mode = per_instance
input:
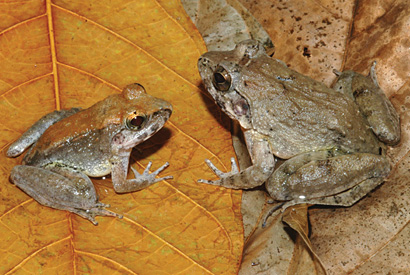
[(68, 146), (333, 151)]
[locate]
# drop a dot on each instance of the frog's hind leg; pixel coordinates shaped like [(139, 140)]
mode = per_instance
[(327, 178), (377, 108), (347, 198), (61, 188), (34, 132), (373, 103), (321, 174)]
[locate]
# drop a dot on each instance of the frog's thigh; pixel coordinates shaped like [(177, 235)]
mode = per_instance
[(346, 198), (53, 189), (325, 177)]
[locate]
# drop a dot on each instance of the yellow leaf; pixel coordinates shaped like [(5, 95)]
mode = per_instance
[(62, 54)]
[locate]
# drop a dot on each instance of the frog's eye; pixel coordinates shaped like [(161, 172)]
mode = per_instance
[(221, 79), (135, 122)]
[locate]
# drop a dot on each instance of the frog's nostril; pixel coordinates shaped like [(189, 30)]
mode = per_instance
[(166, 112)]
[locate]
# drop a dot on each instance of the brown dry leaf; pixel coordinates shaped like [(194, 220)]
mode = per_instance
[(267, 250), (60, 54), (224, 23), (277, 248), (310, 36), (283, 246), (315, 37), (304, 260)]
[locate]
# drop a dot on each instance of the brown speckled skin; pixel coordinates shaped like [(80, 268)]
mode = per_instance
[(71, 145), (328, 142)]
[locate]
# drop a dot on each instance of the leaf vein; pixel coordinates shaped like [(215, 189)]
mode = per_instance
[(125, 40), (22, 23), (168, 244), (26, 259), (106, 259), (53, 54)]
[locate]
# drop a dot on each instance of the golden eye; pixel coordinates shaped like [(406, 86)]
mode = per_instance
[(221, 79), (135, 122)]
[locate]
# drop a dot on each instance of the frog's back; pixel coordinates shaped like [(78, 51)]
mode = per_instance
[(80, 140), (299, 115)]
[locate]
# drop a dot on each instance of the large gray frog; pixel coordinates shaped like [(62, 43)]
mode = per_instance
[(67, 146), (333, 140)]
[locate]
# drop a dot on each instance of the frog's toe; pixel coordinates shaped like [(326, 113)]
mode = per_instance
[(217, 172), (105, 212), (165, 178), (234, 166), (97, 210), (162, 168), (147, 174), (205, 181), (273, 210), (224, 178)]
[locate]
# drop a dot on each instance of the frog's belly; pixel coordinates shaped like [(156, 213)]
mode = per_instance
[(92, 160), (94, 167)]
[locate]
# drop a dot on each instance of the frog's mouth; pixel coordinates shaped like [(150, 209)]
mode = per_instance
[(156, 121)]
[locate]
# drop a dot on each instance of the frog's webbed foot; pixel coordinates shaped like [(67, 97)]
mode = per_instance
[(97, 210), (223, 177)]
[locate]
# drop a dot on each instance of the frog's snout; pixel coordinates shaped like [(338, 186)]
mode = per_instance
[(166, 112), (166, 107)]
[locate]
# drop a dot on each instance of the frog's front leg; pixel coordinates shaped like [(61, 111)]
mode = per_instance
[(61, 188), (34, 132), (255, 175), (119, 171), (325, 174)]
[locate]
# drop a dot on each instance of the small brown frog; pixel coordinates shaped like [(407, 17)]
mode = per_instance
[(67, 146), (333, 140)]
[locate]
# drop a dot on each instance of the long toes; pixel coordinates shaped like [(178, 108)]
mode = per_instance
[(162, 168), (146, 171), (234, 166), (136, 174), (213, 168), (161, 179)]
